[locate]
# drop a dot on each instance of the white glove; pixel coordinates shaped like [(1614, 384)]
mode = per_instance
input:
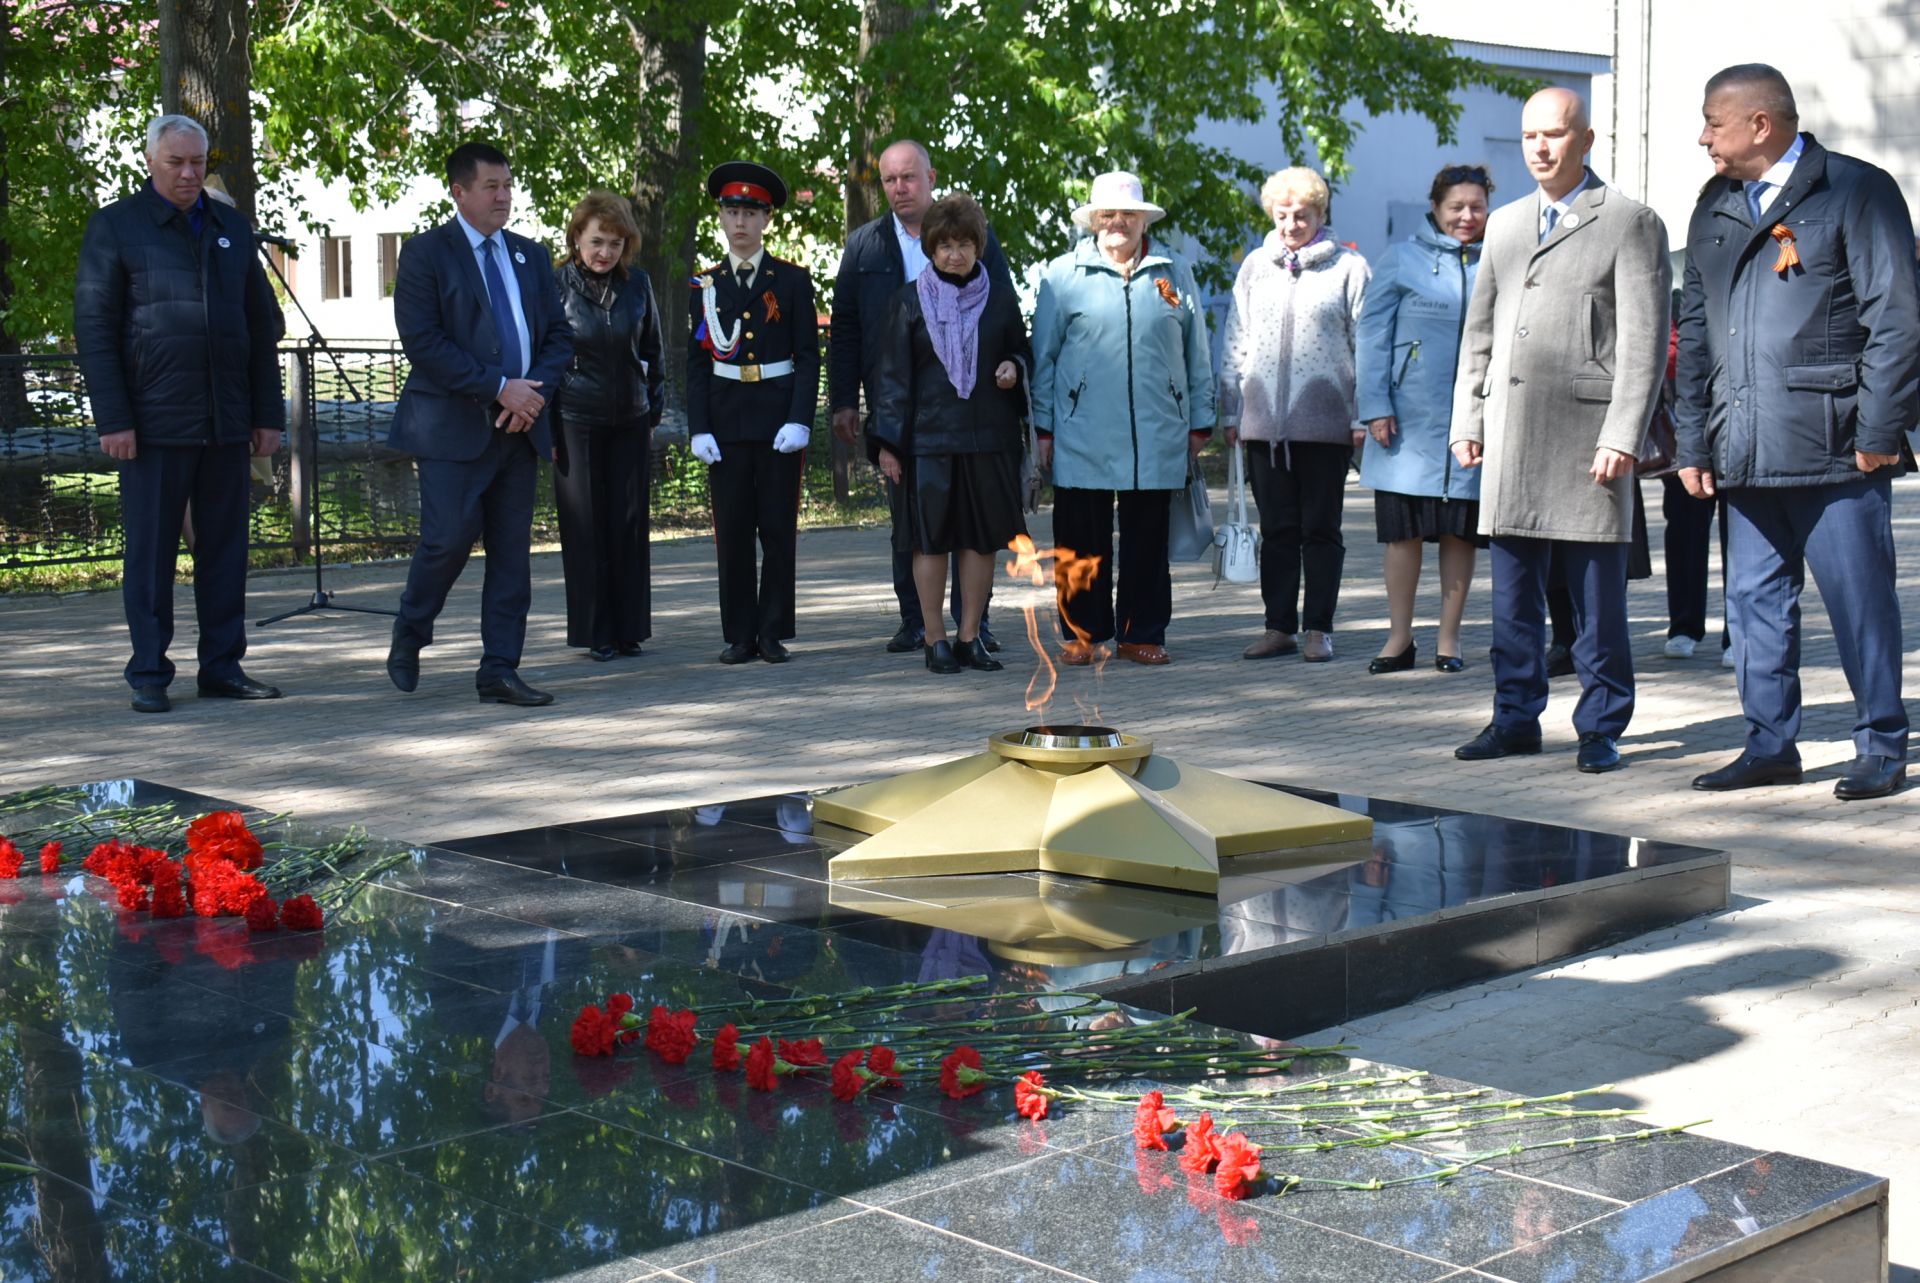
[(705, 448), (791, 437)]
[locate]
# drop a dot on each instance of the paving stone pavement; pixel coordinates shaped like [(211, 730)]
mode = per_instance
[(1792, 1021)]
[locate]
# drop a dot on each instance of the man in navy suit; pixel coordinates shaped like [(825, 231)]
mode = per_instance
[(479, 315)]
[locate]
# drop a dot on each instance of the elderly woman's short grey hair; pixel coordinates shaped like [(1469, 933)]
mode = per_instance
[(1295, 186), (160, 126)]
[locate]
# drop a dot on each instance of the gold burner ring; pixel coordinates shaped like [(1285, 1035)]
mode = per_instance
[(1127, 754)]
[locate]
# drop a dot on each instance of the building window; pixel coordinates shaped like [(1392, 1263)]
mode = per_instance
[(389, 261), (336, 267)]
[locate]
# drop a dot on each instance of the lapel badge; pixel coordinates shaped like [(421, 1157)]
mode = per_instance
[(1571, 220), (519, 258), (224, 243)]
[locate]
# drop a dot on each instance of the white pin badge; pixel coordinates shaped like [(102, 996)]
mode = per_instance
[(225, 243), (1571, 220), (520, 258)]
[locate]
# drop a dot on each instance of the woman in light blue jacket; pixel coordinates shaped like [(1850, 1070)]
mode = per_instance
[(1408, 345), (1123, 397)]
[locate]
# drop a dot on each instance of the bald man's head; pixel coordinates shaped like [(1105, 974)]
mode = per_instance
[(1555, 139), (906, 177)]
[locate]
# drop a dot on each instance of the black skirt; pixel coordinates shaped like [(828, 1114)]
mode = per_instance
[(1427, 517), (960, 502)]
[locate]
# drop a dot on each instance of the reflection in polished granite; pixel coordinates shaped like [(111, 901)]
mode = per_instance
[(396, 1097)]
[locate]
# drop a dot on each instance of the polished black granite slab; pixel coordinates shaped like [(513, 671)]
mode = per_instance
[(396, 1097)]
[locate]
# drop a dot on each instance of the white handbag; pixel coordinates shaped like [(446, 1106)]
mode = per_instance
[(1236, 541)]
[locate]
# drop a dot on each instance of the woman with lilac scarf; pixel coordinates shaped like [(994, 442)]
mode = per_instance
[(947, 425)]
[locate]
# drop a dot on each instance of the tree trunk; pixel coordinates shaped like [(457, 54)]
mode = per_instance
[(873, 116), (206, 71), (670, 65), (9, 343)]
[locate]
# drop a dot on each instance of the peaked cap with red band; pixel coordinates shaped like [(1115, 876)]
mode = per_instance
[(741, 182)]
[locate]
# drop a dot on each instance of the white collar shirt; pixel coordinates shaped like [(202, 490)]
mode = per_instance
[(914, 257), (1563, 205), (1778, 173), (735, 262), (504, 261)]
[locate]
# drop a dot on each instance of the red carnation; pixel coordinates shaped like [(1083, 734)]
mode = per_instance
[(133, 896), (804, 1053), (220, 888), (960, 1074), (168, 902), (224, 835), (1239, 1166), (1030, 1095), (10, 859), (760, 1070), (619, 1004), (301, 914), (849, 1076), (676, 1038), (263, 915), (1202, 1149), (592, 1031), (1152, 1120), (726, 1049), (50, 858), (881, 1061)]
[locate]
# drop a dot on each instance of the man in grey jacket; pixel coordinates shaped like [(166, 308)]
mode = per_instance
[(1561, 366), (1799, 365)]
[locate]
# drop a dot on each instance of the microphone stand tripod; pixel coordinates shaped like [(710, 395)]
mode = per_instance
[(315, 342)]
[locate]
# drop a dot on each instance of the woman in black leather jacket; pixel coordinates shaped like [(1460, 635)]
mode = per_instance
[(608, 405), (947, 424)]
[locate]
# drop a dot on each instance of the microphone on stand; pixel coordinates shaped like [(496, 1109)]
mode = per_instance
[(268, 238)]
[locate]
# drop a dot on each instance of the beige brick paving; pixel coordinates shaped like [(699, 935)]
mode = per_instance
[(1792, 1020)]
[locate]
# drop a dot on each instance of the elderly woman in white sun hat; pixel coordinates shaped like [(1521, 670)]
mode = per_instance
[(1123, 396), (1287, 390)]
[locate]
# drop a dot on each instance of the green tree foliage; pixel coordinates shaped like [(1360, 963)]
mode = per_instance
[(75, 80)]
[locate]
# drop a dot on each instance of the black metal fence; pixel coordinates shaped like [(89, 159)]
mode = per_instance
[(334, 482)]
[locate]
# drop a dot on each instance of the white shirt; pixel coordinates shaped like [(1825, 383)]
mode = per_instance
[(910, 252), (1561, 206), (735, 262), (1778, 173), (504, 261)]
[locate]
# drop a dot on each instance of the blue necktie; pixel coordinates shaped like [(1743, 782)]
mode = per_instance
[(1553, 216), (502, 306), (1755, 190)]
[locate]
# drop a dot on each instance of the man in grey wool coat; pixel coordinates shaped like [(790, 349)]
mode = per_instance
[(1561, 367)]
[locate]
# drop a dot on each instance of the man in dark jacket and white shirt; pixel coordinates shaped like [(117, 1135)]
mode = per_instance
[(176, 327), (1799, 368), (881, 257)]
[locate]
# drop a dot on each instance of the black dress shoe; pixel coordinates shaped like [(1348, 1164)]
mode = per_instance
[(241, 687), (602, 654), (940, 657), (910, 637), (403, 665), (1448, 663), (988, 640), (1598, 754), (1497, 741), (151, 699), (511, 690), (1748, 771), (1559, 661), (973, 654), (1868, 775), (774, 653), (628, 648), (740, 653), (1393, 663)]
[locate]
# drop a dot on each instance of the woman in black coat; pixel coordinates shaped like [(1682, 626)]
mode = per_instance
[(604, 416), (947, 425)]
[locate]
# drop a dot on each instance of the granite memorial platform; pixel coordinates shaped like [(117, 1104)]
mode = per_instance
[(395, 1097)]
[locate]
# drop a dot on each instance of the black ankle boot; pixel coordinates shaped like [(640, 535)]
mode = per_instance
[(973, 654), (940, 657)]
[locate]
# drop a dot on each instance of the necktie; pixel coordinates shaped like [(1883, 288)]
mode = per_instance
[(1755, 190), (1551, 217), (500, 302), (744, 274)]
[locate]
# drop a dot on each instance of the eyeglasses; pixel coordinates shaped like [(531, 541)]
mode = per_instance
[(1464, 174)]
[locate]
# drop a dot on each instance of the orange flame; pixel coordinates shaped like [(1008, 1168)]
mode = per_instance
[(1071, 575)]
